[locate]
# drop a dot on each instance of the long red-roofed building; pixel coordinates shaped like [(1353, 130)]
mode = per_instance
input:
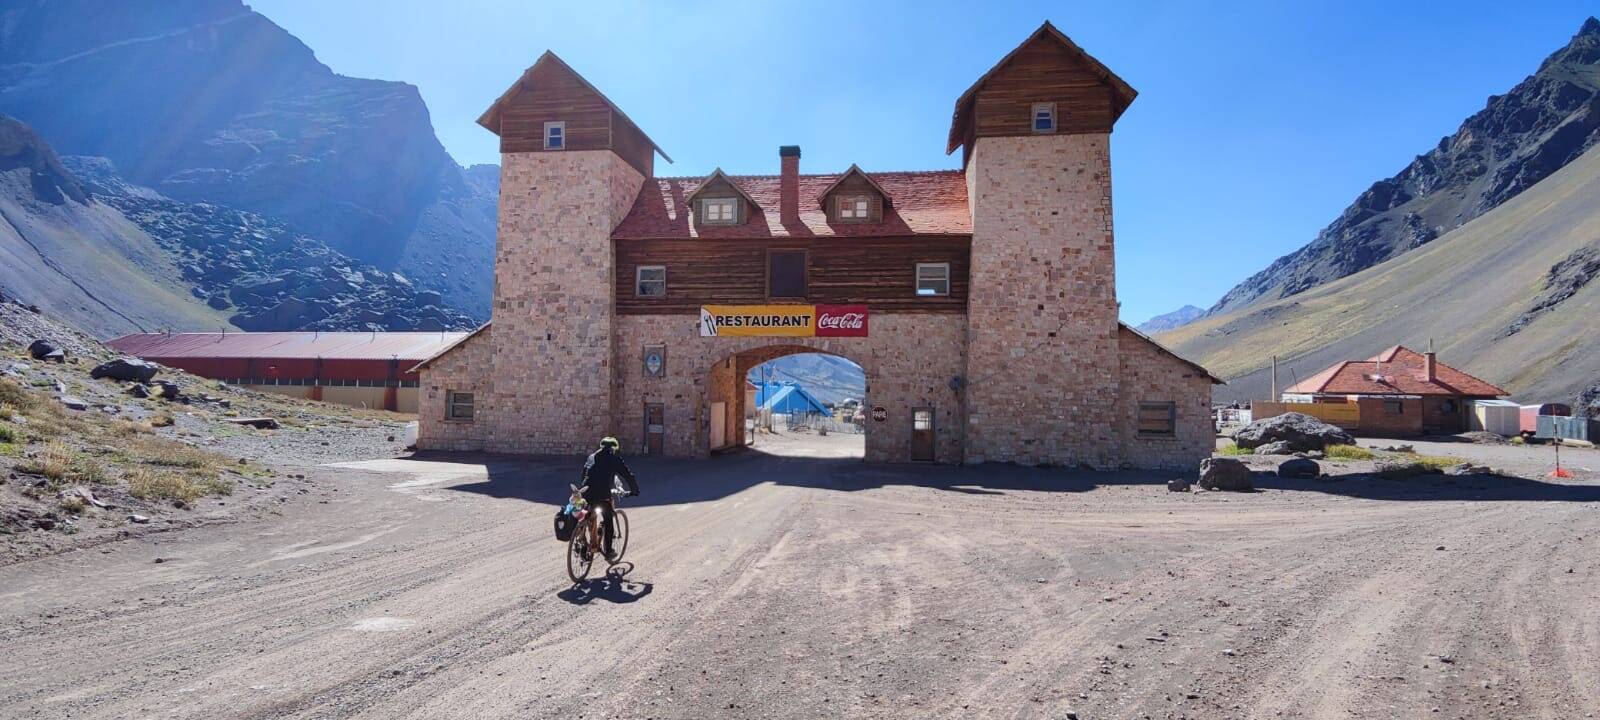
[(1405, 389), (360, 369)]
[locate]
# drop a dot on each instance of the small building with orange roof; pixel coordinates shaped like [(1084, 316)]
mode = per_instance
[(1400, 392)]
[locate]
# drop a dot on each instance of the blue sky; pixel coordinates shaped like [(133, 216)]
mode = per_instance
[(1256, 123)]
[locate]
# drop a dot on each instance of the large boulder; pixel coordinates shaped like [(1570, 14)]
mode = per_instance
[(1299, 468), (1225, 474), (1301, 432), (126, 369)]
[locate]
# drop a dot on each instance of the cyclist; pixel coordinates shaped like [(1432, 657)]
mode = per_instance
[(599, 473)]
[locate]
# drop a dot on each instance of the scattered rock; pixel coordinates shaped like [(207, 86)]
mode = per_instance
[(1299, 468), (166, 389), (1178, 485), (125, 369), (137, 519), (1312, 454), (1277, 447), (44, 523), (139, 390), (259, 423), (1484, 437), (1225, 474), (1398, 448), (43, 349), (1468, 469), (71, 402), (1301, 432)]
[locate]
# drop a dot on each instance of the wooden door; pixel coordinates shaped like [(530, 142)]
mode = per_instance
[(922, 434), (719, 425), (654, 429)]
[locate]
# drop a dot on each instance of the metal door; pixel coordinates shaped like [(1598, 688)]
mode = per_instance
[(922, 434), (654, 430)]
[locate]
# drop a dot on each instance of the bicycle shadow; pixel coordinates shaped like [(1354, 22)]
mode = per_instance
[(613, 587)]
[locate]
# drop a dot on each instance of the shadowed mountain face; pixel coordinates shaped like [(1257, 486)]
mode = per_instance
[(1518, 139), (206, 100)]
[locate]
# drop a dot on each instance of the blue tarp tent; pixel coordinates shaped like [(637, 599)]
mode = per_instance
[(787, 399)]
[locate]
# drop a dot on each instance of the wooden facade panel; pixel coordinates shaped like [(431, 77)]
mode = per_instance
[(1044, 72), (551, 94), (879, 272)]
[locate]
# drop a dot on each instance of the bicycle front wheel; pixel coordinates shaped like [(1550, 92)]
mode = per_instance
[(580, 557)]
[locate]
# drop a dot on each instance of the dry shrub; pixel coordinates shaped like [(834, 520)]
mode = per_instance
[(16, 396), (60, 463), (127, 428), (7, 435), (1438, 462), (161, 420), (74, 504), (152, 484), (1348, 452), (1233, 449)]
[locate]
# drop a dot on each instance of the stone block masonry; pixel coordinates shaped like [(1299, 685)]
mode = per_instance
[(1042, 363), (553, 303)]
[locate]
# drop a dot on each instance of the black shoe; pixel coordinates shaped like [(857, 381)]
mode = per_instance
[(611, 556)]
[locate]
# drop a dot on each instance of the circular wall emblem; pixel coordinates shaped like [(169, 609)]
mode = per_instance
[(653, 363), (880, 414)]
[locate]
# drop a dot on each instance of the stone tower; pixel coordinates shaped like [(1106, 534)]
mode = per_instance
[(571, 166), (1042, 354)]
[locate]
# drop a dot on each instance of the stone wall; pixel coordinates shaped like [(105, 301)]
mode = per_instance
[(464, 368), (908, 359), (1151, 374), (1042, 366), (553, 301)]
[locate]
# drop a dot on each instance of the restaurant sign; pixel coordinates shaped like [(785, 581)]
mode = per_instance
[(783, 321)]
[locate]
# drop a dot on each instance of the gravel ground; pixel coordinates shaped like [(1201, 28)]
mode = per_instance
[(807, 584)]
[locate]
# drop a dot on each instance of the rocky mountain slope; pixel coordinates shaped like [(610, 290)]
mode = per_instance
[(208, 101), (265, 275), (78, 258), (1172, 320), (1518, 139), (1511, 297)]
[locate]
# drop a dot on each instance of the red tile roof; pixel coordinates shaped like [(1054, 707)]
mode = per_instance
[(1398, 370), (404, 346), (921, 203)]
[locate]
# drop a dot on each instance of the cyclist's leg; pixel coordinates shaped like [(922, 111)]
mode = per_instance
[(607, 530)]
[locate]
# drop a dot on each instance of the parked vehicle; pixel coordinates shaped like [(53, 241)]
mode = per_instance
[(1530, 416)]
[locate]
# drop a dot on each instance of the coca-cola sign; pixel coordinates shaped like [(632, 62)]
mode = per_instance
[(841, 321)]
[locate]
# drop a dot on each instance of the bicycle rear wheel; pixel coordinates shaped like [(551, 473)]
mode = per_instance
[(620, 542), (580, 557)]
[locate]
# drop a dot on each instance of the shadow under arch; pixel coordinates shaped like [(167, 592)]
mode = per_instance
[(726, 383)]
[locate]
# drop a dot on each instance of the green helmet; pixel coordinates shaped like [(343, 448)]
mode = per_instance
[(610, 442)]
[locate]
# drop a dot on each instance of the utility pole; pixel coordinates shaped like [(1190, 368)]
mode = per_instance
[(1274, 397)]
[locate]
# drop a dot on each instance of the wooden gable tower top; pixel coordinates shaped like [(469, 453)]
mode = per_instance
[(1046, 68), (550, 91)]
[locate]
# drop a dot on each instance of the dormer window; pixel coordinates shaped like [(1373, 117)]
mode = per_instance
[(719, 211), (555, 136), (1044, 117), (855, 207)]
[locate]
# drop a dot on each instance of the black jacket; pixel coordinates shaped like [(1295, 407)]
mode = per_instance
[(598, 471)]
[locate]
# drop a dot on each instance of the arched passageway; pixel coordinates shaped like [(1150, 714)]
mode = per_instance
[(757, 404)]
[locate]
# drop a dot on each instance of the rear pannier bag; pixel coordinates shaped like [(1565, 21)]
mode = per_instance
[(564, 525)]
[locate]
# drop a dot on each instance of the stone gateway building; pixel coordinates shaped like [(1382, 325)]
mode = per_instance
[(981, 303)]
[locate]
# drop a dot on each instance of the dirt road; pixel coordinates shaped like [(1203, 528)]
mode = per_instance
[(802, 587)]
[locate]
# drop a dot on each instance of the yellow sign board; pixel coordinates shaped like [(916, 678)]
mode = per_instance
[(758, 320)]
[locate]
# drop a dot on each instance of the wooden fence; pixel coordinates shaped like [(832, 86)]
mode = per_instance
[(1343, 415)]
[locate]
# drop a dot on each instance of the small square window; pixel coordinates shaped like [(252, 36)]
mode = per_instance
[(854, 207), (1158, 419), (723, 211), (652, 281), (933, 279), (786, 274), (1394, 407), (555, 136), (458, 405), (1044, 117)]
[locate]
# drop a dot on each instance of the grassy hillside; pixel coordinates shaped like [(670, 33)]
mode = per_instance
[(1463, 291)]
